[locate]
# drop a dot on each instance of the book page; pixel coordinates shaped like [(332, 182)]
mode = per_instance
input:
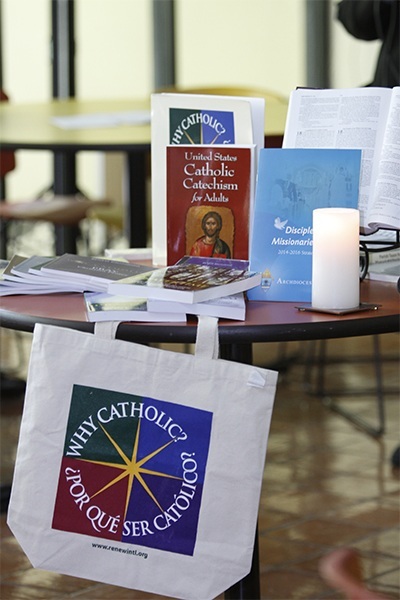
[(342, 118), (385, 207)]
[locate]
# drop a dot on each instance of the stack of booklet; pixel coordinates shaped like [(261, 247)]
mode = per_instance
[(116, 290)]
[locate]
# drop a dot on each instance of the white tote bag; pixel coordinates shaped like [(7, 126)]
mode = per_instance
[(140, 467)]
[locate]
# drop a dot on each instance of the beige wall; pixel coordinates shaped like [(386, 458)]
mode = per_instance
[(219, 42)]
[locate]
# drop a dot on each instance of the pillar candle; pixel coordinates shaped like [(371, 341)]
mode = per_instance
[(335, 258)]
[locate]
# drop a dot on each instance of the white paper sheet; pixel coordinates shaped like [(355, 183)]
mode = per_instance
[(96, 120)]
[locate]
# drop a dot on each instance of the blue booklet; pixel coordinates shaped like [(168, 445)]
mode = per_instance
[(291, 183)]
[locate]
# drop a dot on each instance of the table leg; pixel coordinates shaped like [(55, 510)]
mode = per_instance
[(65, 185), (136, 209), (3, 224), (249, 587)]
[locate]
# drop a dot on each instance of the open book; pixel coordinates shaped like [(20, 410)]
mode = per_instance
[(361, 118)]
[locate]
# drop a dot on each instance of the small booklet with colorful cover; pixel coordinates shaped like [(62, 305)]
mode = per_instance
[(227, 307), (181, 119), (101, 306), (192, 279), (291, 184), (209, 201)]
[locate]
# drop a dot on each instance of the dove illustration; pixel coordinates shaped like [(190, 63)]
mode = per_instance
[(280, 224)]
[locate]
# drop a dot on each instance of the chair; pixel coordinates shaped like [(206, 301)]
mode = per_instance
[(59, 210), (64, 211), (342, 570)]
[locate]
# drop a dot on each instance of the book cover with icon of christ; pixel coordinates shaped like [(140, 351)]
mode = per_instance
[(209, 201)]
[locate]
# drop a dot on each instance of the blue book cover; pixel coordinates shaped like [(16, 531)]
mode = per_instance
[(291, 183)]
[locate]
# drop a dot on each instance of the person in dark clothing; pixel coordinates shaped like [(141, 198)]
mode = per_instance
[(373, 20)]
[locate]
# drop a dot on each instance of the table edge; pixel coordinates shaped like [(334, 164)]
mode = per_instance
[(78, 146), (230, 332)]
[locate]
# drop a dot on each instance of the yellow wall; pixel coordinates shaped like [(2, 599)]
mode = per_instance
[(245, 42), (114, 48)]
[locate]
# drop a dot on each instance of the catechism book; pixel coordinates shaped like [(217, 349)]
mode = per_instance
[(209, 201)]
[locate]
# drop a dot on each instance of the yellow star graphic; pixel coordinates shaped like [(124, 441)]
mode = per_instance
[(132, 468)]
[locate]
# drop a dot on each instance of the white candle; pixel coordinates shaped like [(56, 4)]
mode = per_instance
[(335, 258)]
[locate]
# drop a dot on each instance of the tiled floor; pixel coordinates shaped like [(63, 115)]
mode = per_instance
[(326, 484)]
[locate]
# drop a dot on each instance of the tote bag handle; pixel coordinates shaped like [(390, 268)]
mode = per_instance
[(207, 342)]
